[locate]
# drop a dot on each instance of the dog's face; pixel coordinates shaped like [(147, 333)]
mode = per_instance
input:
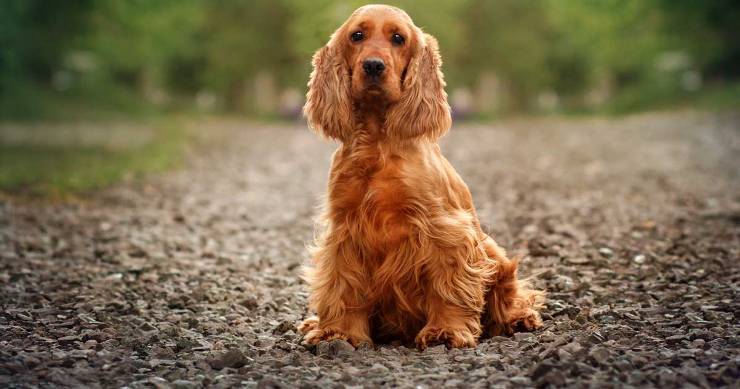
[(379, 48), (378, 55)]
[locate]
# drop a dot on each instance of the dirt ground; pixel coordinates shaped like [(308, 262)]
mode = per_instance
[(192, 278)]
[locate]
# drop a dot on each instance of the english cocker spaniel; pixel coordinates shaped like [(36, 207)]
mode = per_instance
[(403, 256)]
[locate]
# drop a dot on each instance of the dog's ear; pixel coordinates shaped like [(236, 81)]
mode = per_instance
[(423, 108), (328, 104)]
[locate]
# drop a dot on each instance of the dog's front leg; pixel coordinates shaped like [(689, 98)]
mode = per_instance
[(454, 298), (337, 283)]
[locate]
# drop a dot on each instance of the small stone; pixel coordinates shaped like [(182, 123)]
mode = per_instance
[(379, 369), (573, 347), (636, 377), (554, 378), (547, 336), (520, 381), (578, 260), (147, 327), (249, 303), (69, 338), (563, 283), (438, 349), (599, 354), (159, 382), (184, 384), (667, 378), (333, 348), (269, 383), (523, 336), (232, 358), (639, 259), (606, 252), (623, 365), (30, 361), (698, 343), (24, 317), (688, 352), (283, 327), (675, 338), (564, 355), (695, 376), (541, 369)]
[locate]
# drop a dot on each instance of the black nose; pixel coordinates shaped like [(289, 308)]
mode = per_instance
[(373, 66)]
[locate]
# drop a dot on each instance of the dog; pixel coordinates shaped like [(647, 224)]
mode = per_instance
[(402, 256)]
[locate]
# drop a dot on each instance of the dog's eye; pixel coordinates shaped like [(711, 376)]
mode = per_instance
[(397, 39), (357, 36)]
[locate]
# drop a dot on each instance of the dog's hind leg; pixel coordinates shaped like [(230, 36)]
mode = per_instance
[(511, 302)]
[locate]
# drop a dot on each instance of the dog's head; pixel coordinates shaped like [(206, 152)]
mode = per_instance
[(379, 57)]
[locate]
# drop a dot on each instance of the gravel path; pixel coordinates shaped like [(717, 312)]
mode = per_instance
[(192, 279)]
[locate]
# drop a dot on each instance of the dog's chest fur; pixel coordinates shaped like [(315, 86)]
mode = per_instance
[(372, 197), (370, 193)]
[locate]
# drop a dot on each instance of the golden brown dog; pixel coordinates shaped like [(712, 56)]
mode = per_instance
[(403, 255)]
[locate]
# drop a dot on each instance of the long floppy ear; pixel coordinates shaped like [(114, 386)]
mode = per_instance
[(328, 105), (423, 108)]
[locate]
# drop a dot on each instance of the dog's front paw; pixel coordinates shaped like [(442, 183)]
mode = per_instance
[(308, 325), (452, 337), (313, 334), (317, 335)]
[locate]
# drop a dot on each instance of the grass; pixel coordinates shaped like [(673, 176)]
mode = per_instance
[(28, 102), (64, 171), (720, 98), (711, 98)]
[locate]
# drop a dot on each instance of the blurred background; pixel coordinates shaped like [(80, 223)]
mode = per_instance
[(93, 61)]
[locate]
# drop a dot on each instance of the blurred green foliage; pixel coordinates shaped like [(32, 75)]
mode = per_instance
[(62, 58), (62, 170)]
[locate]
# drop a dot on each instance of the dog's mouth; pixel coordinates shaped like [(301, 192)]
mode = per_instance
[(374, 89)]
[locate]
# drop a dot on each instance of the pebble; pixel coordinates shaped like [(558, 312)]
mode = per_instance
[(377, 368), (333, 348), (555, 378), (599, 355), (606, 252), (578, 260), (232, 358), (438, 349), (523, 336), (184, 384), (542, 368), (564, 355)]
